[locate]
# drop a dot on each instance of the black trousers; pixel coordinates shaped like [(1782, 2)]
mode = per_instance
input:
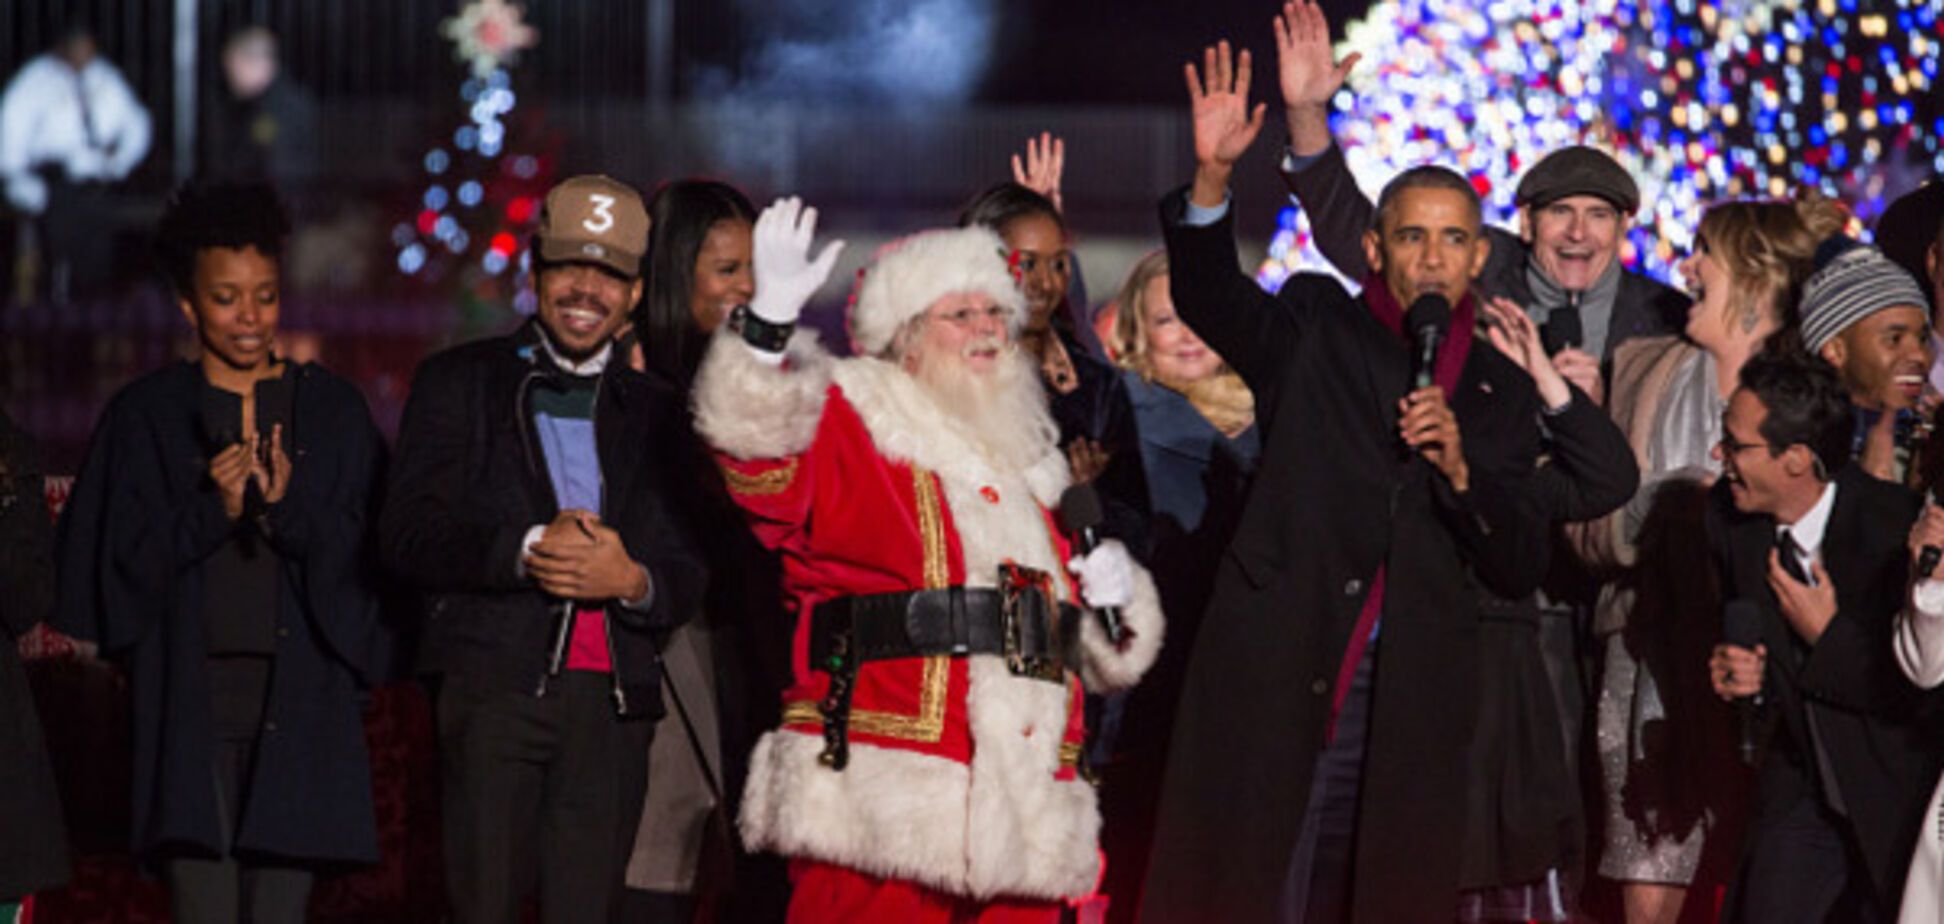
[(1321, 874), (77, 237), (229, 889), (1799, 865), (539, 791)]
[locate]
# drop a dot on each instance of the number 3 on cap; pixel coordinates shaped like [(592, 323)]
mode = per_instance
[(603, 217)]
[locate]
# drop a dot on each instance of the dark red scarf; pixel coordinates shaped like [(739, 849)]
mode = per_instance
[(1450, 364)]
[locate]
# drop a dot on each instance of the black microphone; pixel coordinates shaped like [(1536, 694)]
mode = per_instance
[(1427, 322), (1562, 330), (1928, 555), (1742, 628), (1080, 514)]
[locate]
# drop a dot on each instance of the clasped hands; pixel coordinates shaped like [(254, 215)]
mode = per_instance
[(579, 558), (233, 469)]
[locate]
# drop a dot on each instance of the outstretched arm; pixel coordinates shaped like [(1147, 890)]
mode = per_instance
[(1221, 303)]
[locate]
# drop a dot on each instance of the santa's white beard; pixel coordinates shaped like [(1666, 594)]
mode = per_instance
[(1003, 409)]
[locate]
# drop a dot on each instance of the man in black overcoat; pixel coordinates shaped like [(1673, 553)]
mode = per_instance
[(1318, 767)]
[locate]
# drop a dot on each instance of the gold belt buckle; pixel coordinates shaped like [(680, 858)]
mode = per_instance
[(1017, 585)]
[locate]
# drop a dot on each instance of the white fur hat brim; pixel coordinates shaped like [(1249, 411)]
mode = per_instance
[(915, 272)]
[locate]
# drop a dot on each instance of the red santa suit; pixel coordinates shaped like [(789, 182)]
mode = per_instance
[(961, 776)]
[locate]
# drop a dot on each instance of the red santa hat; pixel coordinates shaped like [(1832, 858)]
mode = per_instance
[(909, 275)]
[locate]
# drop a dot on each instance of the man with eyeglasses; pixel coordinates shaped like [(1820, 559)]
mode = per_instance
[(1817, 545), (928, 764)]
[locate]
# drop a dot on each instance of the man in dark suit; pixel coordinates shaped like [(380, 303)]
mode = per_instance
[(1818, 546), (1316, 773)]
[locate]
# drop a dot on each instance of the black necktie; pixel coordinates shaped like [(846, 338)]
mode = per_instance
[(1791, 555)]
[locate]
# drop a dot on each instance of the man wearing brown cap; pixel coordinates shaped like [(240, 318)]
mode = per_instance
[(530, 503)]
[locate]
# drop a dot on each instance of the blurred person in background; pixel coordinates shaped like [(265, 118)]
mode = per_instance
[(261, 124), (70, 127)]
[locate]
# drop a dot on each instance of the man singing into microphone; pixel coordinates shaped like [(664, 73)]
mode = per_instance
[(1817, 545), (1378, 511)]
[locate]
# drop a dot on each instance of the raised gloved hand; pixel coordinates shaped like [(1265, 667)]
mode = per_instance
[(1106, 575), (786, 277)]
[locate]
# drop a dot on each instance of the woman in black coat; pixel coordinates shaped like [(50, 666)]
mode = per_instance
[(33, 851), (215, 545)]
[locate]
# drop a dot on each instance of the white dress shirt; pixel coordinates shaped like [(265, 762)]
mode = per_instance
[(90, 124)]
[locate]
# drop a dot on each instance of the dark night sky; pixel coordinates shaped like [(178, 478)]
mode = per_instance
[(1101, 52)]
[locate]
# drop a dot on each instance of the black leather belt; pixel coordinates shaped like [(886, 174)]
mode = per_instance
[(1021, 624), (950, 621)]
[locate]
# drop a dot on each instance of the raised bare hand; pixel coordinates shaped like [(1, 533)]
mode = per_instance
[(1045, 161), (1509, 329), (1305, 63), (1225, 126)]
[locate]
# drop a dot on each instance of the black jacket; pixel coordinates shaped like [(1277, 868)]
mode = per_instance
[(135, 539), (1340, 213), (34, 852), (1334, 496), (1098, 409), (469, 479), (1871, 719)]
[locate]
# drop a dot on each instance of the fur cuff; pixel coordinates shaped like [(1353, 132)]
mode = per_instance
[(1107, 669), (754, 410)]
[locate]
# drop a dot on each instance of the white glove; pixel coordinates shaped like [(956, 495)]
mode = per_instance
[(1106, 575), (785, 275)]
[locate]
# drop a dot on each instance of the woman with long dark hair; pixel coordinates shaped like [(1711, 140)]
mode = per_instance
[(698, 270), (723, 666)]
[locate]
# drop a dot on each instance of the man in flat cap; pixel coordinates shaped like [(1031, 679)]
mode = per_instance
[(1868, 317), (531, 504)]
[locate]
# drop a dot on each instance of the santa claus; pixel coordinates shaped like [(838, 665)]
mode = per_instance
[(927, 767)]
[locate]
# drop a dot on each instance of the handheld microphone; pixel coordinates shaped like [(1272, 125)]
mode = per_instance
[(1742, 628), (1928, 556), (1562, 330), (1081, 515), (1427, 322)]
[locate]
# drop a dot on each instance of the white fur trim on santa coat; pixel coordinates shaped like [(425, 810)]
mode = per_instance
[(1013, 828), (751, 409), (923, 268)]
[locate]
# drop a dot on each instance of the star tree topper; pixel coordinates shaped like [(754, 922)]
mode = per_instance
[(489, 34)]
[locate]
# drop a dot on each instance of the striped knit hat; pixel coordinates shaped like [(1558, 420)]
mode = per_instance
[(1855, 283)]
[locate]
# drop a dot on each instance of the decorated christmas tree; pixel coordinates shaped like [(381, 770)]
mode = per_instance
[(479, 199)]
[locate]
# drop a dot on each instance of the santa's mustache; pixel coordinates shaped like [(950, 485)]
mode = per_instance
[(988, 344)]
